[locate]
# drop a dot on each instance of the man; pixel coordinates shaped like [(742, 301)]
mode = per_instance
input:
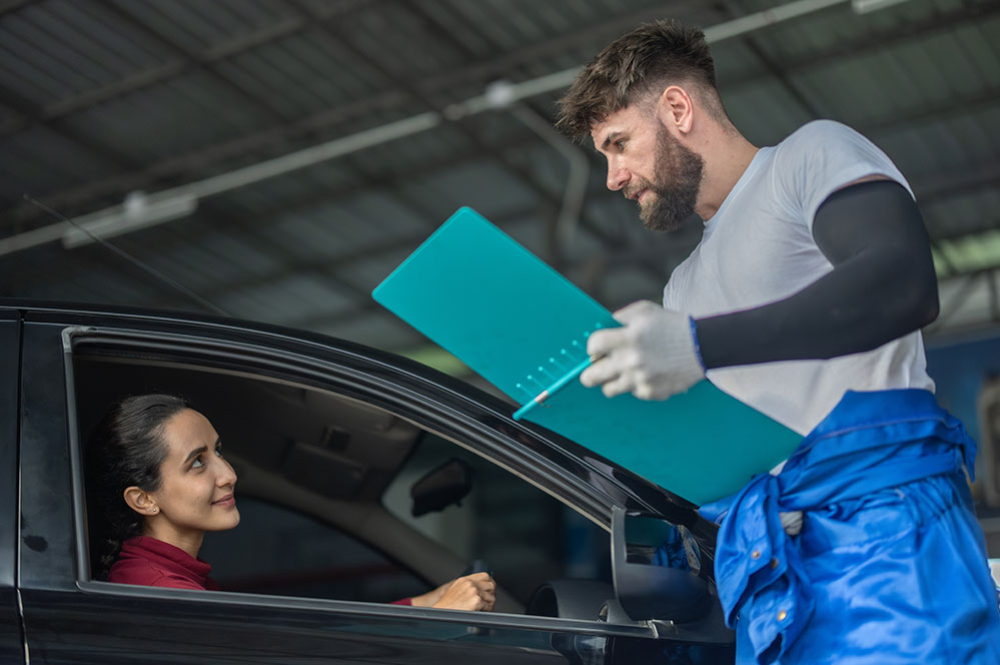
[(804, 299)]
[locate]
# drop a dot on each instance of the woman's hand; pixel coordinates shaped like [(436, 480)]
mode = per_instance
[(434, 595), (472, 592)]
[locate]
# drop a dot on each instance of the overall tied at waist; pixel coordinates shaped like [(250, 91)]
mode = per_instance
[(869, 442)]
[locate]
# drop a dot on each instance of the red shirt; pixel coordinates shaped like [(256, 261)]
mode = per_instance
[(151, 562)]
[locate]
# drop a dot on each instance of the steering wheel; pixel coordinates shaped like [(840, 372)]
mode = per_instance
[(477, 566)]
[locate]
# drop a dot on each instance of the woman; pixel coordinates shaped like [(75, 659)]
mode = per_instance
[(157, 481)]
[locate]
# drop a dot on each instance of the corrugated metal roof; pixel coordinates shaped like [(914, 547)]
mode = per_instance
[(100, 99)]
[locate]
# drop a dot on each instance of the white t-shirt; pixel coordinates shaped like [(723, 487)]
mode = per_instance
[(758, 249)]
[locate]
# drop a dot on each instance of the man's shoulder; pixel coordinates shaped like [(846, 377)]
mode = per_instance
[(817, 132)]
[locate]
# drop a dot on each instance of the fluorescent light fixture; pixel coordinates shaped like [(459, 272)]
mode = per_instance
[(867, 6), (137, 212)]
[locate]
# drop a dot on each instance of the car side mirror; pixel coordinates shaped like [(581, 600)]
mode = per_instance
[(441, 487), (647, 591)]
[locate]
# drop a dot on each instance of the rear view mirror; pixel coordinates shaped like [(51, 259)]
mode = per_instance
[(441, 487), (647, 591)]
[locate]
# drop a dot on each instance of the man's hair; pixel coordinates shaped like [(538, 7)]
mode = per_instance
[(645, 60)]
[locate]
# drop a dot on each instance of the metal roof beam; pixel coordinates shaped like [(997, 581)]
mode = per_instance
[(76, 198), (773, 68), (238, 227), (519, 173), (955, 183), (269, 141), (935, 110), (941, 22), (19, 104), (331, 265), (317, 321), (189, 60), (300, 23), (8, 6), (492, 67), (98, 257), (599, 33), (325, 267), (985, 227), (170, 70)]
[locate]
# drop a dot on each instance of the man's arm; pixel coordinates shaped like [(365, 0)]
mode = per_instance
[(882, 286)]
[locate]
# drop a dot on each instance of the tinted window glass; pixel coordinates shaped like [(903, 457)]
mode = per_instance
[(525, 535)]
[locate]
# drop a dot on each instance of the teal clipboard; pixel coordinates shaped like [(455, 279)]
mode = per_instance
[(523, 327)]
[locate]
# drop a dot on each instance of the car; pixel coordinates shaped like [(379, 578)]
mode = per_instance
[(362, 475)]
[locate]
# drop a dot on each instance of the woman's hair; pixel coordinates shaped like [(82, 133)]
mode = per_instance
[(126, 448)]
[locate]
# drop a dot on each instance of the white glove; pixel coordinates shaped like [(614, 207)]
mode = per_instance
[(652, 356), (791, 522)]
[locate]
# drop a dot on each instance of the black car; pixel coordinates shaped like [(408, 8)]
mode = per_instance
[(345, 454)]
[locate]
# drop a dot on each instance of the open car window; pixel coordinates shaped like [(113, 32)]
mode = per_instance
[(280, 551), (325, 487)]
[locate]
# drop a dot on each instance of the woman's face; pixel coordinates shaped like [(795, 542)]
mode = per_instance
[(196, 482)]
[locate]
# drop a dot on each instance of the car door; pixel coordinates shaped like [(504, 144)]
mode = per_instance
[(11, 648), (69, 618)]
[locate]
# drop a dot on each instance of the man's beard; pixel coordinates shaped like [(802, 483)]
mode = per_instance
[(677, 174)]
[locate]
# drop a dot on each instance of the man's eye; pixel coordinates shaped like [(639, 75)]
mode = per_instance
[(218, 451), (197, 463), (620, 145)]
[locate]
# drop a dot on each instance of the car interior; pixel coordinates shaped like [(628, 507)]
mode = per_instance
[(343, 500)]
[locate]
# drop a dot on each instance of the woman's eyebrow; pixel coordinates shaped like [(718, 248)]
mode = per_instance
[(194, 453)]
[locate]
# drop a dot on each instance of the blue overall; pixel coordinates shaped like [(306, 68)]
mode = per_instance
[(890, 566)]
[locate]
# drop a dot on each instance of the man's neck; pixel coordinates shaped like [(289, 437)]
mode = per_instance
[(726, 160)]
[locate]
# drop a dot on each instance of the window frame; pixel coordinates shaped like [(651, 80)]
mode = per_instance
[(261, 362)]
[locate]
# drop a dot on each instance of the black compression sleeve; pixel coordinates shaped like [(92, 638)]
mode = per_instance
[(882, 287)]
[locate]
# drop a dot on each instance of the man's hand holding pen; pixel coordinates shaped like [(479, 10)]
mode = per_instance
[(653, 355)]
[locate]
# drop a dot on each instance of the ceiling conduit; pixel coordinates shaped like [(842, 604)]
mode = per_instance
[(142, 210)]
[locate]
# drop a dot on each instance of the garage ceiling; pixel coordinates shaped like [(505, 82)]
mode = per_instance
[(305, 147)]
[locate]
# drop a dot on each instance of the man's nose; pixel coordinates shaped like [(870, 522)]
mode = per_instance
[(618, 177)]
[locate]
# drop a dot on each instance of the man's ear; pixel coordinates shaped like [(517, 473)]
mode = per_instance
[(675, 109), (140, 501)]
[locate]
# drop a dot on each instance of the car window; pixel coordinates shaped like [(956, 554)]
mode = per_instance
[(323, 492), (277, 550), (523, 534)]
